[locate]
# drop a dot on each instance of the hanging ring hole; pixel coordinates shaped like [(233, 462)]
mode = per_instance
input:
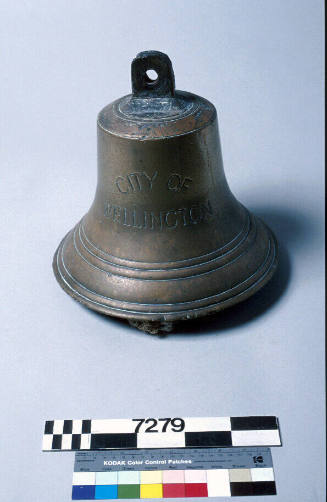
[(151, 77)]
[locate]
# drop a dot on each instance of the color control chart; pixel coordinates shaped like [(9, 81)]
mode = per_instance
[(217, 432), (173, 473), (176, 457)]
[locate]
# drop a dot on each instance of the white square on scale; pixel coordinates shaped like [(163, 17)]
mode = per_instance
[(268, 437), (207, 424), (47, 442), (218, 483), (112, 426), (58, 426), (164, 440), (66, 443), (77, 426)]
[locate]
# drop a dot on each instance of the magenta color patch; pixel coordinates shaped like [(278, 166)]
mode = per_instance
[(173, 477)]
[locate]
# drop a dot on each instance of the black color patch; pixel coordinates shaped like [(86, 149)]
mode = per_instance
[(48, 429), (56, 441), (214, 438), (76, 441), (253, 423), (86, 426), (253, 488), (104, 441), (68, 427)]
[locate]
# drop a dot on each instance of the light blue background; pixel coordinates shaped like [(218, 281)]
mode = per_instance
[(261, 63)]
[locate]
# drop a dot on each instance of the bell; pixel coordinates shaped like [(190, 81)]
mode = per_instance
[(165, 239)]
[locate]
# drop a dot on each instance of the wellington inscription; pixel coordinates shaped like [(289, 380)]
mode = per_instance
[(159, 220)]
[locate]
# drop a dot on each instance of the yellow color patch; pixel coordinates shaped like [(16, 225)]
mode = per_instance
[(151, 477), (151, 491)]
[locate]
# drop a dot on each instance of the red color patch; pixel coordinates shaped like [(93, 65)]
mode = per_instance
[(174, 490), (196, 490)]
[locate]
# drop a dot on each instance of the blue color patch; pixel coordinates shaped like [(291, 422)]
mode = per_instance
[(86, 492), (106, 492)]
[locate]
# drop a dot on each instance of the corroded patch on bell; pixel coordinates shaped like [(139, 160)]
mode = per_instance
[(165, 240)]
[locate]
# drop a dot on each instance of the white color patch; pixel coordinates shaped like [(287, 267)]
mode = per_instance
[(58, 427), (85, 441), (262, 474), (218, 483), (165, 440), (256, 438), (66, 443), (77, 426), (108, 426), (207, 424), (83, 478), (47, 442)]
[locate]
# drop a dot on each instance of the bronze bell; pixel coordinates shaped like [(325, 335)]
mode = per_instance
[(165, 239)]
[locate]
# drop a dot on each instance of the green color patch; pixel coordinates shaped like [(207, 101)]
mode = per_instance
[(128, 491)]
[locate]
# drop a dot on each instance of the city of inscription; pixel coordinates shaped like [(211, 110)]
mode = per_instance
[(159, 220), (135, 182), (140, 181)]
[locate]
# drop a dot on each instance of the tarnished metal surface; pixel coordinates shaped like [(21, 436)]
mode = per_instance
[(165, 239)]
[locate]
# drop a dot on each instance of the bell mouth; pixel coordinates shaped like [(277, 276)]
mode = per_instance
[(200, 287)]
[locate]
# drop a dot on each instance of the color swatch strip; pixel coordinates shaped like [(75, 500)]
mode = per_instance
[(212, 432), (173, 483)]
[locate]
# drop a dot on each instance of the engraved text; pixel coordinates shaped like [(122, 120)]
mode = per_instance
[(158, 220)]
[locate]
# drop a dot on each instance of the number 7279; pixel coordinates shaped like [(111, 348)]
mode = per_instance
[(159, 425)]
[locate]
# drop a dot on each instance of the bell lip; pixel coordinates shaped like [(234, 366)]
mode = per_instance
[(192, 313)]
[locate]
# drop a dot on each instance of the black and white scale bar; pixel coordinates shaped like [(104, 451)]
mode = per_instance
[(75, 435)]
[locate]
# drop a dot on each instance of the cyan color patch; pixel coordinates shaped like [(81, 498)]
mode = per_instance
[(128, 477), (86, 492), (106, 478), (106, 492)]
